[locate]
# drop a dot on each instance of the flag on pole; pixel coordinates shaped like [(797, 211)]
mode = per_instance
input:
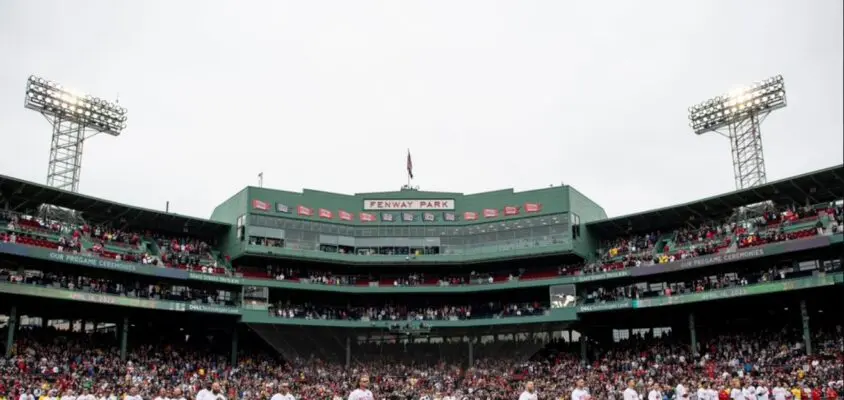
[(409, 165)]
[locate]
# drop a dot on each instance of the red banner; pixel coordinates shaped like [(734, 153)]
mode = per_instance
[(304, 211), (490, 212), (470, 216), (533, 207), (260, 205), (327, 214), (346, 216), (511, 210), (366, 217)]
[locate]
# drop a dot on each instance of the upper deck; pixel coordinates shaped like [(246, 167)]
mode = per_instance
[(407, 225)]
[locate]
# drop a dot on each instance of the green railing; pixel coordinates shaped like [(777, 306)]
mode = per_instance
[(569, 314)]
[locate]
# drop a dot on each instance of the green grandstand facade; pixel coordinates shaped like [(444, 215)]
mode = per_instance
[(418, 232), (432, 227)]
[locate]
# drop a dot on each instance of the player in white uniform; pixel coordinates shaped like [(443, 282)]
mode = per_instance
[(736, 393), (630, 393), (780, 392), (655, 393), (762, 392), (529, 393), (580, 392), (749, 391), (284, 393), (162, 395), (362, 392), (681, 392), (133, 394), (701, 392)]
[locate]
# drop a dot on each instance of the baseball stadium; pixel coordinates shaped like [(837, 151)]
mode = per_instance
[(437, 294), (458, 293)]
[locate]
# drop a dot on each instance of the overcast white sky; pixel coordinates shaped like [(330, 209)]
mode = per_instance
[(487, 95)]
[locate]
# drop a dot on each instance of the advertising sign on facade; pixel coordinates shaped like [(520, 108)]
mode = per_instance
[(407, 204)]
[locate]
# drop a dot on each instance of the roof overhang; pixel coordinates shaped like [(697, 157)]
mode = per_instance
[(814, 187), (27, 197)]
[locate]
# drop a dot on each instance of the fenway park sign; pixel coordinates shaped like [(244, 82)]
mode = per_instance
[(407, 204)]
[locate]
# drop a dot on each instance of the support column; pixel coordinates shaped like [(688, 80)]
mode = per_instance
[(234, 347), (807, 333), (471, 351), (584, 357), (692, 333), (348, 352), (124, 338), (10, 335)]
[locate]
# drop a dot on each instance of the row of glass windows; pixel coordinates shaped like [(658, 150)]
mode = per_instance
[(481, 238), (523, 227), (445, 248)]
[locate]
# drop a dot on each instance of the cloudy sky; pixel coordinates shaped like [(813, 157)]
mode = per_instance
[(487, 95)]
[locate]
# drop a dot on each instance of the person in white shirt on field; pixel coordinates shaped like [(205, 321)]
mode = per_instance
[(655, 393), (86, 395), (680, 392), (762, 391), (133, 394), (749, 391), (580, 392), (712, 392), (702, 393), (630, 393), (216, 393), (284, 393), (362, 392), (780, 392), (162, 394), (736, 393), (529, 393)]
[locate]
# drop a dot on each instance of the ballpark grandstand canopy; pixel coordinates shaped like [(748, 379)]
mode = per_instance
[(26, 197)]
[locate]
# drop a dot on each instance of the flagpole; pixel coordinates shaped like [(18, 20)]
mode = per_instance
[(408, 169)]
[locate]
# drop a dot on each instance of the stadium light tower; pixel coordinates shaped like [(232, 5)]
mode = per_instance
[(737, 116), (74, 117)]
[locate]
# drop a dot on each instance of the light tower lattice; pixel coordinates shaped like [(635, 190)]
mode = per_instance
[(737, 116), (74, 118)]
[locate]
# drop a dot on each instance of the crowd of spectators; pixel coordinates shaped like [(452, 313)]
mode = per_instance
[(128, 287), (108, 242), (405, 313), (54, 364), (410, 279), (185, 252), (673, 288), (619, 254)]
